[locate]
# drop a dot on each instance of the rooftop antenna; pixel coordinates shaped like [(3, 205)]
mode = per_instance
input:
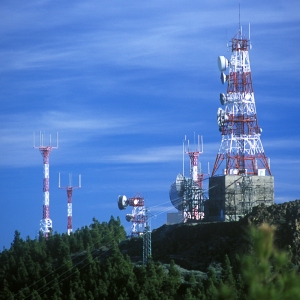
[(69, 188), (46, 222)]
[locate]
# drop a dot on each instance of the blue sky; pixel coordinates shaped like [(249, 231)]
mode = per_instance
[(122, 82)]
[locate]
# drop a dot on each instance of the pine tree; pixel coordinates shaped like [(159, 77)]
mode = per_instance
[(268, 273), (188, 295), (212, 284), (172, 282)]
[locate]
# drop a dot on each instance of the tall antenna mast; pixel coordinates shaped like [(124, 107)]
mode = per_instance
[(241, 148), (46, 222), (138, 214), (198, 178), (69, 188)]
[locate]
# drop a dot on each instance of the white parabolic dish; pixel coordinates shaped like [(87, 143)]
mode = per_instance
[(176, 192), (222, 63)]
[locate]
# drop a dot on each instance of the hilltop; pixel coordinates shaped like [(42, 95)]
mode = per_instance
[(196, 246), (189, 261)]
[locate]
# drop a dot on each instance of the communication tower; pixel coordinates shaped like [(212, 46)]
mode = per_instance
[(69, 188), (241, 154), (46, 222), (141, 221), (138, 214), (241, 148), (186, 194)]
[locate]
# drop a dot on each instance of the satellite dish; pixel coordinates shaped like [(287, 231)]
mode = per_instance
[(224, 78), (177, 191), (223, 98), (122, 202), (129, 217), (222, 63)]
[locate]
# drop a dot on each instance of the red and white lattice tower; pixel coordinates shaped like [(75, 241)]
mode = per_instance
[(193, 195), (69, 188), (241, 148), (138, 215), (194, 155), (46, 222)]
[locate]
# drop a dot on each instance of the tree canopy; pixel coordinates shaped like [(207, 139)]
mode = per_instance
[(88, 264)]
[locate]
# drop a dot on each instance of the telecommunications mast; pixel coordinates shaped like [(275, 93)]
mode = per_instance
[(138, 214), (245, 169), (194, 155), (186, 194), (69, 188), (241, 148), (141, 221), (46, 222)]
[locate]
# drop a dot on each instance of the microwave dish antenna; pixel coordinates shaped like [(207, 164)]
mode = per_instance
[(177, 191), (122, 202), (186, 193), (223, 63), (138, 213)]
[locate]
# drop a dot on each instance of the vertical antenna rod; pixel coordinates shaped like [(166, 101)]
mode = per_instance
[(69, 188), (46, 222), (193, 195), (239, 16), (194, 160)]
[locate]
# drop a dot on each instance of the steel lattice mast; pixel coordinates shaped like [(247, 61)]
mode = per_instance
[(194, 155), (69, 190), (241, 148), (46, 222), (138, 214), (141, 221), (193, 193), (147, 245)]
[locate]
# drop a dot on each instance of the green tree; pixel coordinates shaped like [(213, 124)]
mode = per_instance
[(172, 282), (212, 284), (228, 286), (267, 273)]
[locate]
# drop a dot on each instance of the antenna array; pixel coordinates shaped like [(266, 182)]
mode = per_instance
[(186, 194), (241, 148)]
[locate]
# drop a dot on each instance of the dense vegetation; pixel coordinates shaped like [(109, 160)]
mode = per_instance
[(89, 265)]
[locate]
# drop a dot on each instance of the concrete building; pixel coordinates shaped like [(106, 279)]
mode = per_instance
[(234, 196), (174, 218)]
